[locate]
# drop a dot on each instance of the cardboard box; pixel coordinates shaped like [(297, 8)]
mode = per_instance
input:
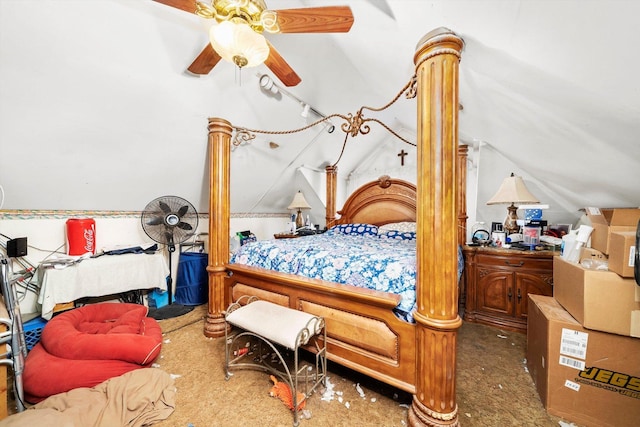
[(587, 377), (607, 221), (599, 300), (622, 252)]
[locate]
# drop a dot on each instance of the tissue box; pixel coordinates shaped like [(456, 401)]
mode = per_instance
[(532, 214), (533, 211)]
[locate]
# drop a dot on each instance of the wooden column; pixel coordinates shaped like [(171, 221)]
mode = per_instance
[(331, 176), (437, 58), (220, 132)]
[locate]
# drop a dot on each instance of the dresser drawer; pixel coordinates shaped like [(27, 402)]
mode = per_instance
[(509, 262)]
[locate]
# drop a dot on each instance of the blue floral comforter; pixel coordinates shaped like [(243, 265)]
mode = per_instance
[(365, 261)]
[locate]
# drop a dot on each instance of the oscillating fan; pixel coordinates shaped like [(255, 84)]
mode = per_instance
[(169, 220)]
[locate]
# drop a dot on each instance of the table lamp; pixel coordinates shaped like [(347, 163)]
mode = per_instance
[(512, 191), (299, 203)]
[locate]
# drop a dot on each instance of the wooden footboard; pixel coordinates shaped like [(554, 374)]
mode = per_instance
[(363, 333)]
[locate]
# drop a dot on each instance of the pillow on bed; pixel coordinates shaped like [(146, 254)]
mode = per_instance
[(398, 226), (398, 235), (355, 229)]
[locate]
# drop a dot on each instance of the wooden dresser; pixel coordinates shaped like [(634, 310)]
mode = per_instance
[(498, 282)]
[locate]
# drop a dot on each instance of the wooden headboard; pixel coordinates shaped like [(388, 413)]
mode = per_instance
[(392, 200), (380, 202)]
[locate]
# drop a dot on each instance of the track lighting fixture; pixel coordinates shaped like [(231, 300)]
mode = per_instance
[(271, 88), (267, 84), (305, 111)]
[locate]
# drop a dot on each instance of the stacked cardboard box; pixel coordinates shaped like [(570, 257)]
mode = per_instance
[(609, 300), (599, 300), (583, 344), (614, 235), (622, 252), (584, 376)]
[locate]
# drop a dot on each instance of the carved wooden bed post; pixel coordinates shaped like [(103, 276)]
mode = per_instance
[(437, 58), (220, 132), (463, 153)]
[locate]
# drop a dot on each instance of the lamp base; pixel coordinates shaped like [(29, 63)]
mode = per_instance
[(299, 220), (511, 221)]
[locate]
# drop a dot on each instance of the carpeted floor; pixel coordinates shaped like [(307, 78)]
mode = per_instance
[(493, 385)]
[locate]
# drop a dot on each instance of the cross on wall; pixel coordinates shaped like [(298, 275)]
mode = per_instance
[(401, 154)]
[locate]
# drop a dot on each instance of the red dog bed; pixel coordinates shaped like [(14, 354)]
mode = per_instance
[(88, 345)]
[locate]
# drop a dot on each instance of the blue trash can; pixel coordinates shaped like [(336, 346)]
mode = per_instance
[(192, 280)]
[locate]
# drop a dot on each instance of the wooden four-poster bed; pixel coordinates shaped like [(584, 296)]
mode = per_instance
[(363, 332)]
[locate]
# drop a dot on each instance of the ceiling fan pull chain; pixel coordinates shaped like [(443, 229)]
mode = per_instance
[(238, 76)]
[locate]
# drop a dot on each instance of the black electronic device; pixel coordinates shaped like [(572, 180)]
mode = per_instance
[(519, 246), (305, 231), (17, 247), (481, 237)]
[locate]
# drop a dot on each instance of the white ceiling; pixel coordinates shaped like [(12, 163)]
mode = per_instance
[(97, 112)]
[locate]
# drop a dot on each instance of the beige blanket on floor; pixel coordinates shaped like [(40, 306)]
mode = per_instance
[(135, 399)]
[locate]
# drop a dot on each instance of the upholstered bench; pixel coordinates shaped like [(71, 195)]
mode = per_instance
[(263, 332)]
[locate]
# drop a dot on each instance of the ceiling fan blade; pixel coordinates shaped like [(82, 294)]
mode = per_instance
[(328, 19), (205, 62), (186, 5), (281, 68)]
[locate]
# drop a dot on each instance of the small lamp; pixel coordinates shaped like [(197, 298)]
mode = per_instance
[(299, 203), (512, 191)]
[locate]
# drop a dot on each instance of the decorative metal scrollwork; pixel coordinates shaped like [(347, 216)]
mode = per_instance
[(353, 124), (243, 136)]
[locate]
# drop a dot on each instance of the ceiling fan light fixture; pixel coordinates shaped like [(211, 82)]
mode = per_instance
[(237, 43), (305, 110)]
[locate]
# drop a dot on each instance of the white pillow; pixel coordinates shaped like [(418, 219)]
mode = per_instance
[(398, 226)]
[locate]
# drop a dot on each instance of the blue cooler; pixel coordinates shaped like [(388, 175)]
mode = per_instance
[(192, 280)]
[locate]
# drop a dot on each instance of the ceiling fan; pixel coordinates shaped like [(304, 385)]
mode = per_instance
[(249, 19)]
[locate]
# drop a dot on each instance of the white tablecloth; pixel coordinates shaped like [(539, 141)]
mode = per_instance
[(106, 275)]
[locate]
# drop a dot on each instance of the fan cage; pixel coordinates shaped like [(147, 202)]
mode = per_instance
[(159, 220)]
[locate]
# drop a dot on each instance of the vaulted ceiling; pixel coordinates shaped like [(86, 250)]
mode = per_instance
[(97, 111)]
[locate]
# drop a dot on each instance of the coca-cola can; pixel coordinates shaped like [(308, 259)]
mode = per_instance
[(81, 236)]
